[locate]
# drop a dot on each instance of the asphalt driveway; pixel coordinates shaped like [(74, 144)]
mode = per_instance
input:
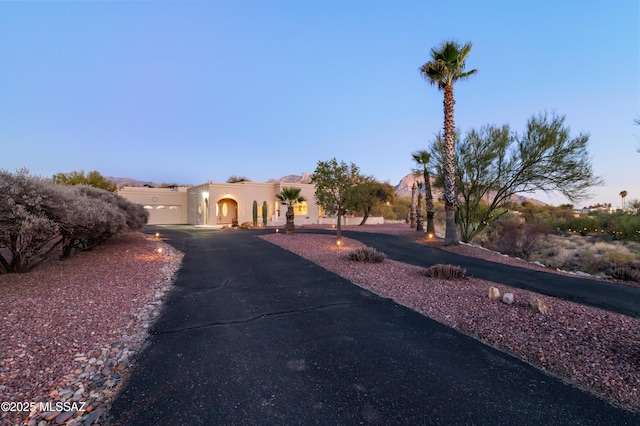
[(253, 334), (611, 296)]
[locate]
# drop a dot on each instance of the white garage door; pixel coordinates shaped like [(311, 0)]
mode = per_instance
[(164, 215)]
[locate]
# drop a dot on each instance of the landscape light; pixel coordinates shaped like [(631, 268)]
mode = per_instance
[(338, 243), (430, 236), (277, 230), (159, 251), (157, 235)]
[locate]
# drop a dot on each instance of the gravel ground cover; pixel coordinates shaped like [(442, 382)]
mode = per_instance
[(596, 350), (69, 328)]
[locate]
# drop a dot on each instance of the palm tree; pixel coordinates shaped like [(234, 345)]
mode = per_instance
[(419, 216), (412, 210), (445, 68), (623, 195), (422, 158), (290, 196)]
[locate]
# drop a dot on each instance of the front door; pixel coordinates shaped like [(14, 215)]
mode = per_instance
[(227, 212)]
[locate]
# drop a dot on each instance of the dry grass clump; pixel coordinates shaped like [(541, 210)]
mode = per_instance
[(367, 254), (587, 254), (446, 272)]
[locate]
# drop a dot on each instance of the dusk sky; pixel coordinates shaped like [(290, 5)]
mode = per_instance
[(190, 92)]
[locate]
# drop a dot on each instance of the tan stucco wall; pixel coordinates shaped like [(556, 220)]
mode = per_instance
[(165, 205), (192, 203), (244, 193)]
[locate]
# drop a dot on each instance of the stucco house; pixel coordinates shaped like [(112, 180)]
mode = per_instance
[(220, 204)]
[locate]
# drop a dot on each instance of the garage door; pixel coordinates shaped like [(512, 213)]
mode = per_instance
[(164, 215)]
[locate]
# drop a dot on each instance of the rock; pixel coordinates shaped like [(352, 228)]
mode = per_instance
[(494, 293), (50, 415), (63, 417), (508, 298), (96, 383), (92, 418), (538, 305), (122, 365)]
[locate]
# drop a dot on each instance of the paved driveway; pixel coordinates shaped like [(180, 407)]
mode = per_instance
[(614, 297), (253, 334)]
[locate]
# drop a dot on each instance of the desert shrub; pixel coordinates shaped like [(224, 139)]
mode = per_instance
[(624, 273), (446, 272), (515, 238), (134, 214), (38, 217), (367, 254), (620, 257)]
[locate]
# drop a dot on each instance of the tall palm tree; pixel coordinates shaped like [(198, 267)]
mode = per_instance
[(412, 210), (422, 158), (290, 196), (623, 195), (419, 216), (447, 66)]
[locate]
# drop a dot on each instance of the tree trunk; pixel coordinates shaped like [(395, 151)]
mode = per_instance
[(451, 232), (412, 210), (428, 201), (290, 225), (366, 216), (419, 217), (431, 228), (338, 227)]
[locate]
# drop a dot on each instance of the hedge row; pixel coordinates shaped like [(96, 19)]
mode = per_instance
[(39, 219)]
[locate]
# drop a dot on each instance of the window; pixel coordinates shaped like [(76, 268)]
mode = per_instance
[(300, 208)]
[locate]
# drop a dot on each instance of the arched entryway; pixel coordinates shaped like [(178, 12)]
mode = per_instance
[(227, 212)]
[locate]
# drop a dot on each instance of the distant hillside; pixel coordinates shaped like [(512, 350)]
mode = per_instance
[(133, 182), (403, 189), (304, 178)]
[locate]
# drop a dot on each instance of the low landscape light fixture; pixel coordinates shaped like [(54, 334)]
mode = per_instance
[(339, 243), (277, 230), (157, 235), (430, 236), (159, 251)]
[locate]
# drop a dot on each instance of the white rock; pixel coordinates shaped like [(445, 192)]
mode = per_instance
[(508, 298)]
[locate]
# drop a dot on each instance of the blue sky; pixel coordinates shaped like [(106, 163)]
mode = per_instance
[(189, 92)]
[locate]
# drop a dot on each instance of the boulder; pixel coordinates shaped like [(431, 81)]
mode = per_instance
[(508, 298), (537, 305), (494, 293)]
